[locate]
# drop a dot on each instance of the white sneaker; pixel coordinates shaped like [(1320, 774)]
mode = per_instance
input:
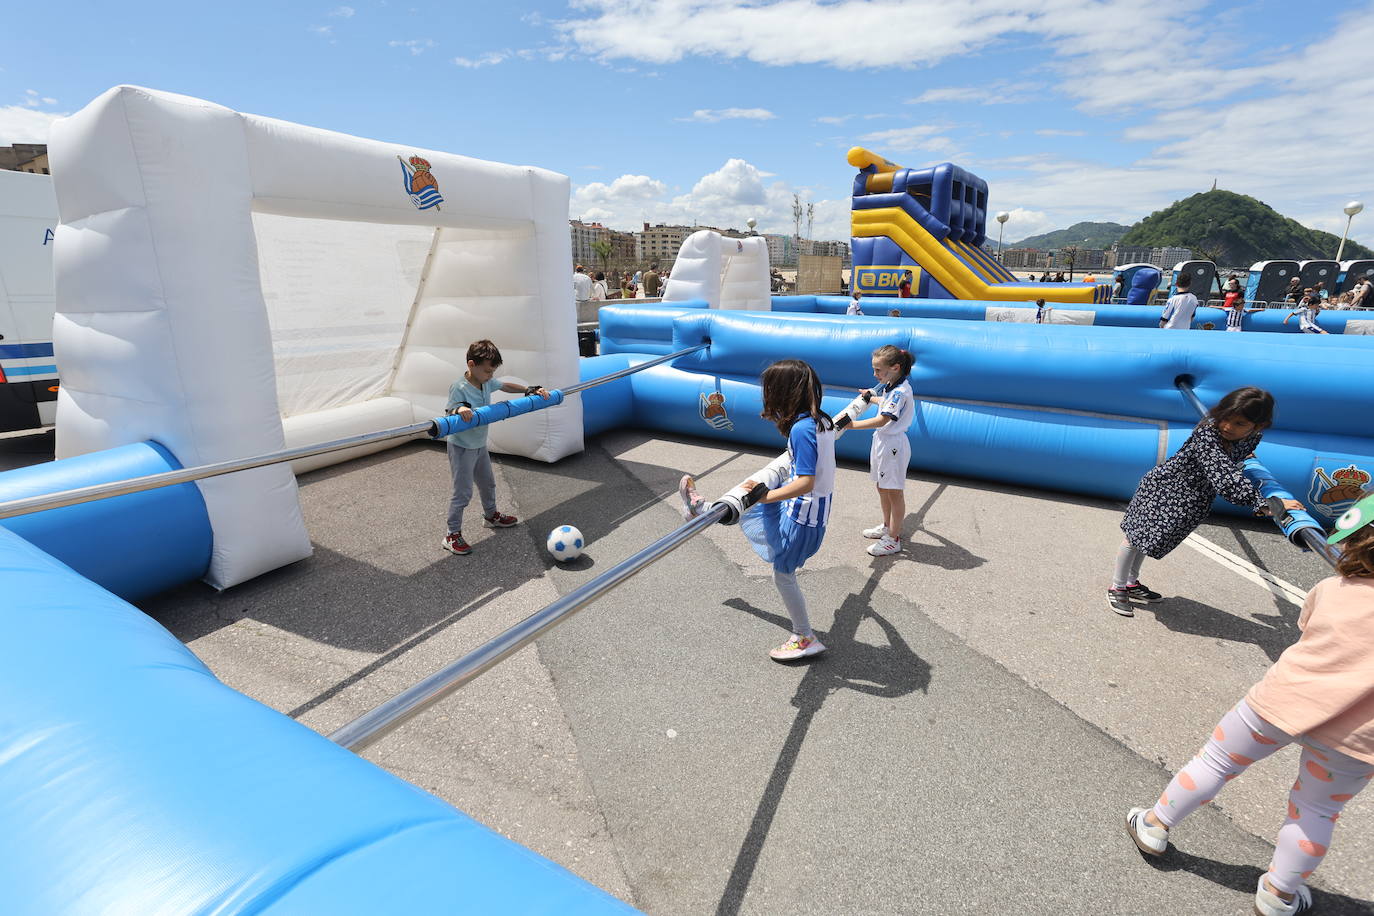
[(1271, 904), (692, 503), (885, 547), (1150, 839), (875, 533), (797, 647)]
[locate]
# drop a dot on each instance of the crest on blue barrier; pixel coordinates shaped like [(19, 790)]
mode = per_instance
[(712, 412), (1332, 494)]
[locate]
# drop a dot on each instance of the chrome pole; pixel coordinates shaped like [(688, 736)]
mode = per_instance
[(1310, 535), (376, 723), (115, 488)]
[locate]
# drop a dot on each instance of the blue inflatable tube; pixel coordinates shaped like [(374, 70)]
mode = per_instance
[(493, 413), (135, 782), (134, 545), (643, 329), (1080, 409)]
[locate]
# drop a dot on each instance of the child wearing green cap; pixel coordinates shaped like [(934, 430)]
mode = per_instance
[(1319, 693)]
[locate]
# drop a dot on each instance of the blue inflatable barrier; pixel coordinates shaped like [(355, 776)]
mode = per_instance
[(647, 328), (135, 782), (1079, 409), (134, 545)]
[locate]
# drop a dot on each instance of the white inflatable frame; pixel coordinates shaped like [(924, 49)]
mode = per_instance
[(728, 273), (161, 329)]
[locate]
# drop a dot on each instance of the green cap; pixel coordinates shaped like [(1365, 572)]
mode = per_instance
[(1355, 518)]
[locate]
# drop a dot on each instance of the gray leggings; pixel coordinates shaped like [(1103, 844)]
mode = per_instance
[(467, 465), (1128, 561), (794, 602)]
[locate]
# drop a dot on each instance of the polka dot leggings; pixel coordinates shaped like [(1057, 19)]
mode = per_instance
[(1327, 779)]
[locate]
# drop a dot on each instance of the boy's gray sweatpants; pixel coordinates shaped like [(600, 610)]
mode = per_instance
[(467, 465)]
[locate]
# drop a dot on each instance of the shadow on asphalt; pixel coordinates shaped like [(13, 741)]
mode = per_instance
[(887, 671), (1270, 632), (1244, 878)]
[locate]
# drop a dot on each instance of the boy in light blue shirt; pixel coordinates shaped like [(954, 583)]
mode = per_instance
[(468, 458)]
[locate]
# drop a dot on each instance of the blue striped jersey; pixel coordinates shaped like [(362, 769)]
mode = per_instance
[(812, 453)]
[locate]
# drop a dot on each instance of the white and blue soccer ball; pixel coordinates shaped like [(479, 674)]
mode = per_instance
[(565, 543)]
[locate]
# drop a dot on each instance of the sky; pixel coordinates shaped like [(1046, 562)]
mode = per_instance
[(714, 112)]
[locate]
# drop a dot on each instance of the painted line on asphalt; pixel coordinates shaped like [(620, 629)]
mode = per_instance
[(1247, 570)]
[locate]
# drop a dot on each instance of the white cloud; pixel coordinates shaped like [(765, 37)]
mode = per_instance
[(927, 137), (415, 46), (342, 12), (324, 30), (1052, 132), (486, 60), (849, 34), (833, 119), (724, 198), (711, 115), (24, 124)]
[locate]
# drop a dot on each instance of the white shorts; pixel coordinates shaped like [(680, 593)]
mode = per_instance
[(887, 462)]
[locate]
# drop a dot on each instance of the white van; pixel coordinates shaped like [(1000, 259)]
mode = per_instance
[(28, 371)]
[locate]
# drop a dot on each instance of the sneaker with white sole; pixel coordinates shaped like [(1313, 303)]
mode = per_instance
[(885, 547), (1267, 903), (1119, 600), (1150, 839), (1140, 592), (876, 533), (797, 647), (455, 544), (692, 503), (499, 520)]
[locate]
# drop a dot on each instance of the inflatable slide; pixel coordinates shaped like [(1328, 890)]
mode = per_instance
[(928, 225)]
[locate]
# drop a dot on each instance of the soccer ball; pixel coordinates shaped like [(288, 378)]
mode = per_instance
[(565, 543)]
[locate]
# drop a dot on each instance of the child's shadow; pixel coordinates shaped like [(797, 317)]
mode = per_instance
[(1244, 878), (888, 671), (1271, 632)]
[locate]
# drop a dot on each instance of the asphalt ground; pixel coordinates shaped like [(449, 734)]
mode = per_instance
[(970, 743)]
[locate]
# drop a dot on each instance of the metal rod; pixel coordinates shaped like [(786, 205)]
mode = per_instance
[(373, 725), (115, 488), (1310, 536), (639, 367)]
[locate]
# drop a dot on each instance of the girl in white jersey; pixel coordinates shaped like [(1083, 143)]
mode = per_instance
[(786, 526), (891, 451)]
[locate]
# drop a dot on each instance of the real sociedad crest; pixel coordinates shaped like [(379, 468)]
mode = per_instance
[(1331, 494), (712, 411), (420, 183)]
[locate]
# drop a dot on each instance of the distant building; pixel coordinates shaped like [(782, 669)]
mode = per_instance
[(1022, 258), (25, 157), (831, 249), (1168, 257), (583, 234), (1133, 254), (661, 243)]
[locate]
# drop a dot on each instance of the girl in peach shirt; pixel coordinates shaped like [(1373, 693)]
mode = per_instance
[(1319, 693)]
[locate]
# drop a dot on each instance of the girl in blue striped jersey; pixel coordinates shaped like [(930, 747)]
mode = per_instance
[(787, 525)]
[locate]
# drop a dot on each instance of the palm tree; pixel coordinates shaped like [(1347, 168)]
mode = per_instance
[(602, 247)]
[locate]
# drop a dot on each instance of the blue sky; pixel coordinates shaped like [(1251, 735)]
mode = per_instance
[(712, 111)]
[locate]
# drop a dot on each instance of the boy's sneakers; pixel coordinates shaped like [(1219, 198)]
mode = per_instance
[(885, 547), (1119, 600), (692, 503), (455, 544), (797, 647), (878, 532), (1267, 903), (1150, 839), (1139, 592), (497, 520)]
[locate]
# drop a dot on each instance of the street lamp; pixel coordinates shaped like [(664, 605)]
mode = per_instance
[(1350, 210), (1001, 222)]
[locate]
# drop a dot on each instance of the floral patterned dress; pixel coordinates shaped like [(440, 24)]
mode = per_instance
[(1176, 496)]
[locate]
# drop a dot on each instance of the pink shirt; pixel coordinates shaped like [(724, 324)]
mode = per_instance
[(1323, 685)]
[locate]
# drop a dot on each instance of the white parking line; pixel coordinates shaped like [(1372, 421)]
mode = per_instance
[(1247, 570)]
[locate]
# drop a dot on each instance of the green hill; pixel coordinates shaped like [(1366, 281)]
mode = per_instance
[(1235, 230), (1084, 235)]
